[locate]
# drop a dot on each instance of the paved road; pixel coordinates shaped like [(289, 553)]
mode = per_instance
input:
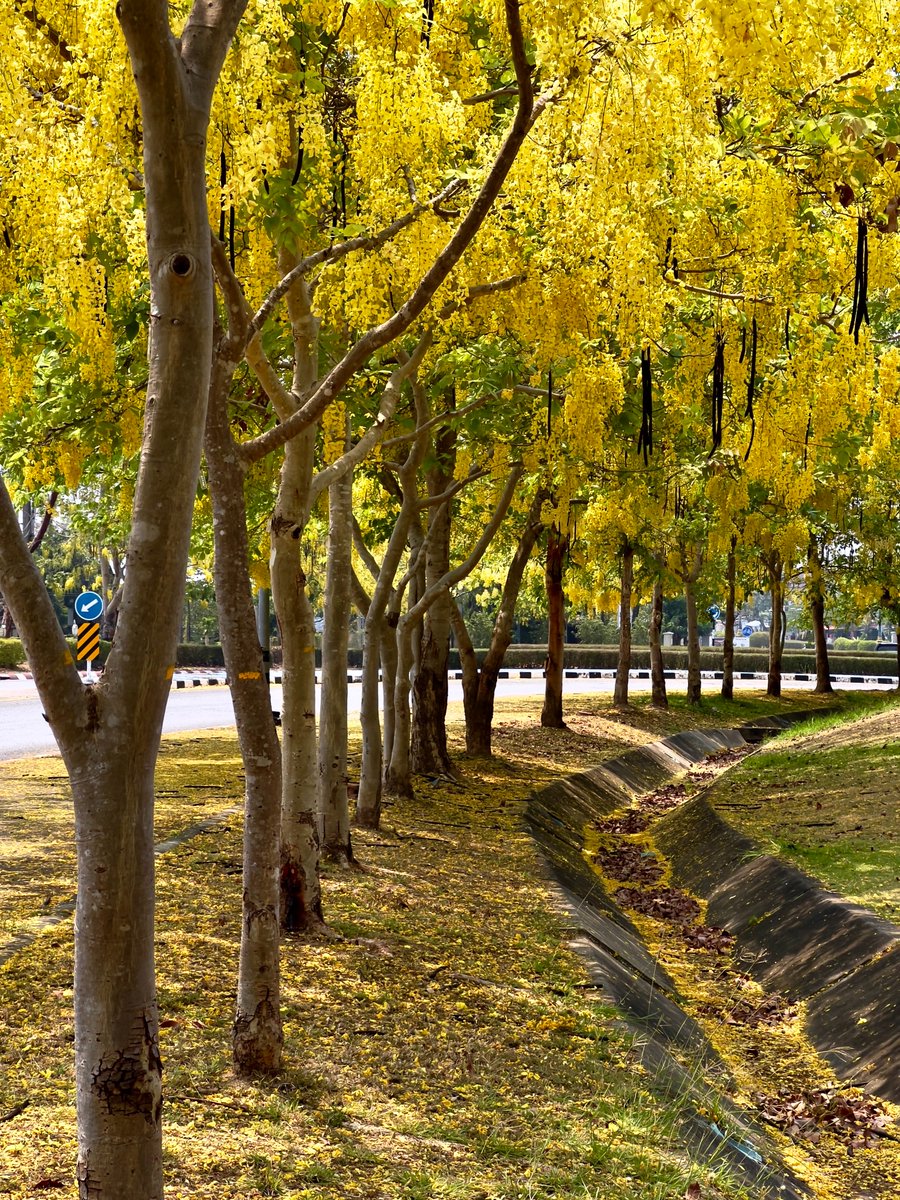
[(24, 732)]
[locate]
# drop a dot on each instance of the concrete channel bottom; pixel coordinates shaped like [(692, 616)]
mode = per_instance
[(791, 934)]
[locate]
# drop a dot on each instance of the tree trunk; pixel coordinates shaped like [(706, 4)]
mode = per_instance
[(658, 697), (694, 685), (109, 732), (817, 614), (118, 1066), (389, 667), (623, 666), (552, 712), (368, 800), (397, 774), (333, 804), (301, 893), (728, 648), (429, 753), (301, 896), (480, 683), (257, 1033), (776, 634)]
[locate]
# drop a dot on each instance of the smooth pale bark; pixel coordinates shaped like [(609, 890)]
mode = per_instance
[(257, 1036), (658, 696), (397, 777), (389, 667), (301, 893), (728, 648), (623, 665), (333, 803), (775, 567), (816, 593), (380, 627), (112, 581), (368, 797), (301, 896), (428, 752), (694, 682), (480, 681), (33, 538), (554, 563), (689, 578), (109, 731)]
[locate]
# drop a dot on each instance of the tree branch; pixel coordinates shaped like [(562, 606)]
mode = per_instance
[(804, 100), (454, 489), (35, 542), (27, 10), (340, 250), (479, 290), (284, 402), (370, 562), (324, 478), (527, 112), (441, 419), (453, 576), (496, 94), (739, 297), (49, 657), (235, 303)]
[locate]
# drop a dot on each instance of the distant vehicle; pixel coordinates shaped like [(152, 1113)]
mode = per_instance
[(319, 624), (892, 646)]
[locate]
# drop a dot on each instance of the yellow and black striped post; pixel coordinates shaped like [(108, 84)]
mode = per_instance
[(87, 643)]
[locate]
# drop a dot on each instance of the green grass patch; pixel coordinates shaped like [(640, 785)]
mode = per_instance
[(824, 796)]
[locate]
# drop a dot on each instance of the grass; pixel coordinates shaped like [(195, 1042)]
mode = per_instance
[(452, 1051), (824, 796)]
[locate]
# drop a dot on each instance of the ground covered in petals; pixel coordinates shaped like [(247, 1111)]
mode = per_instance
[(445, 1045)]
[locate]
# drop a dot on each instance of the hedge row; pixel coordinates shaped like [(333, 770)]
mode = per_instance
[(599, 658), (12, 654), (585, 657)]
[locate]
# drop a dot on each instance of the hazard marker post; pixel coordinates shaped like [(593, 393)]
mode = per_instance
[(88, 610)]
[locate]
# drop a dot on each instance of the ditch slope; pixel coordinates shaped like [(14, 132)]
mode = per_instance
[(734, 968)]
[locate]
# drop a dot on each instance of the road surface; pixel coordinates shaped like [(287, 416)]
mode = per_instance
[(25, 733)]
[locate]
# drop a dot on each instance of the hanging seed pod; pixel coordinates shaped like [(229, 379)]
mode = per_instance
[(668, 252), (751, 378), (427, 21), (299, 167), (752, 436), (645, 438), (787, 333), (549, 399), (718, 391), (860, 310), (223, 178)]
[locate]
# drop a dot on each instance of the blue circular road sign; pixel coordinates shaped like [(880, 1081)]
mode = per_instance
[(88, 606)]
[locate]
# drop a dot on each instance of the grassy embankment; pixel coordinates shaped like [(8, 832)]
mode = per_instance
[(824, 795), (446, 1046)]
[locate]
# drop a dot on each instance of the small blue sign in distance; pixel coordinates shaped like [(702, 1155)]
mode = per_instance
[(88, 606), (747, 630)]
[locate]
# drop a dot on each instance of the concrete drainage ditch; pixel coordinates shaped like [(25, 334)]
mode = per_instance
[(791, 935)]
